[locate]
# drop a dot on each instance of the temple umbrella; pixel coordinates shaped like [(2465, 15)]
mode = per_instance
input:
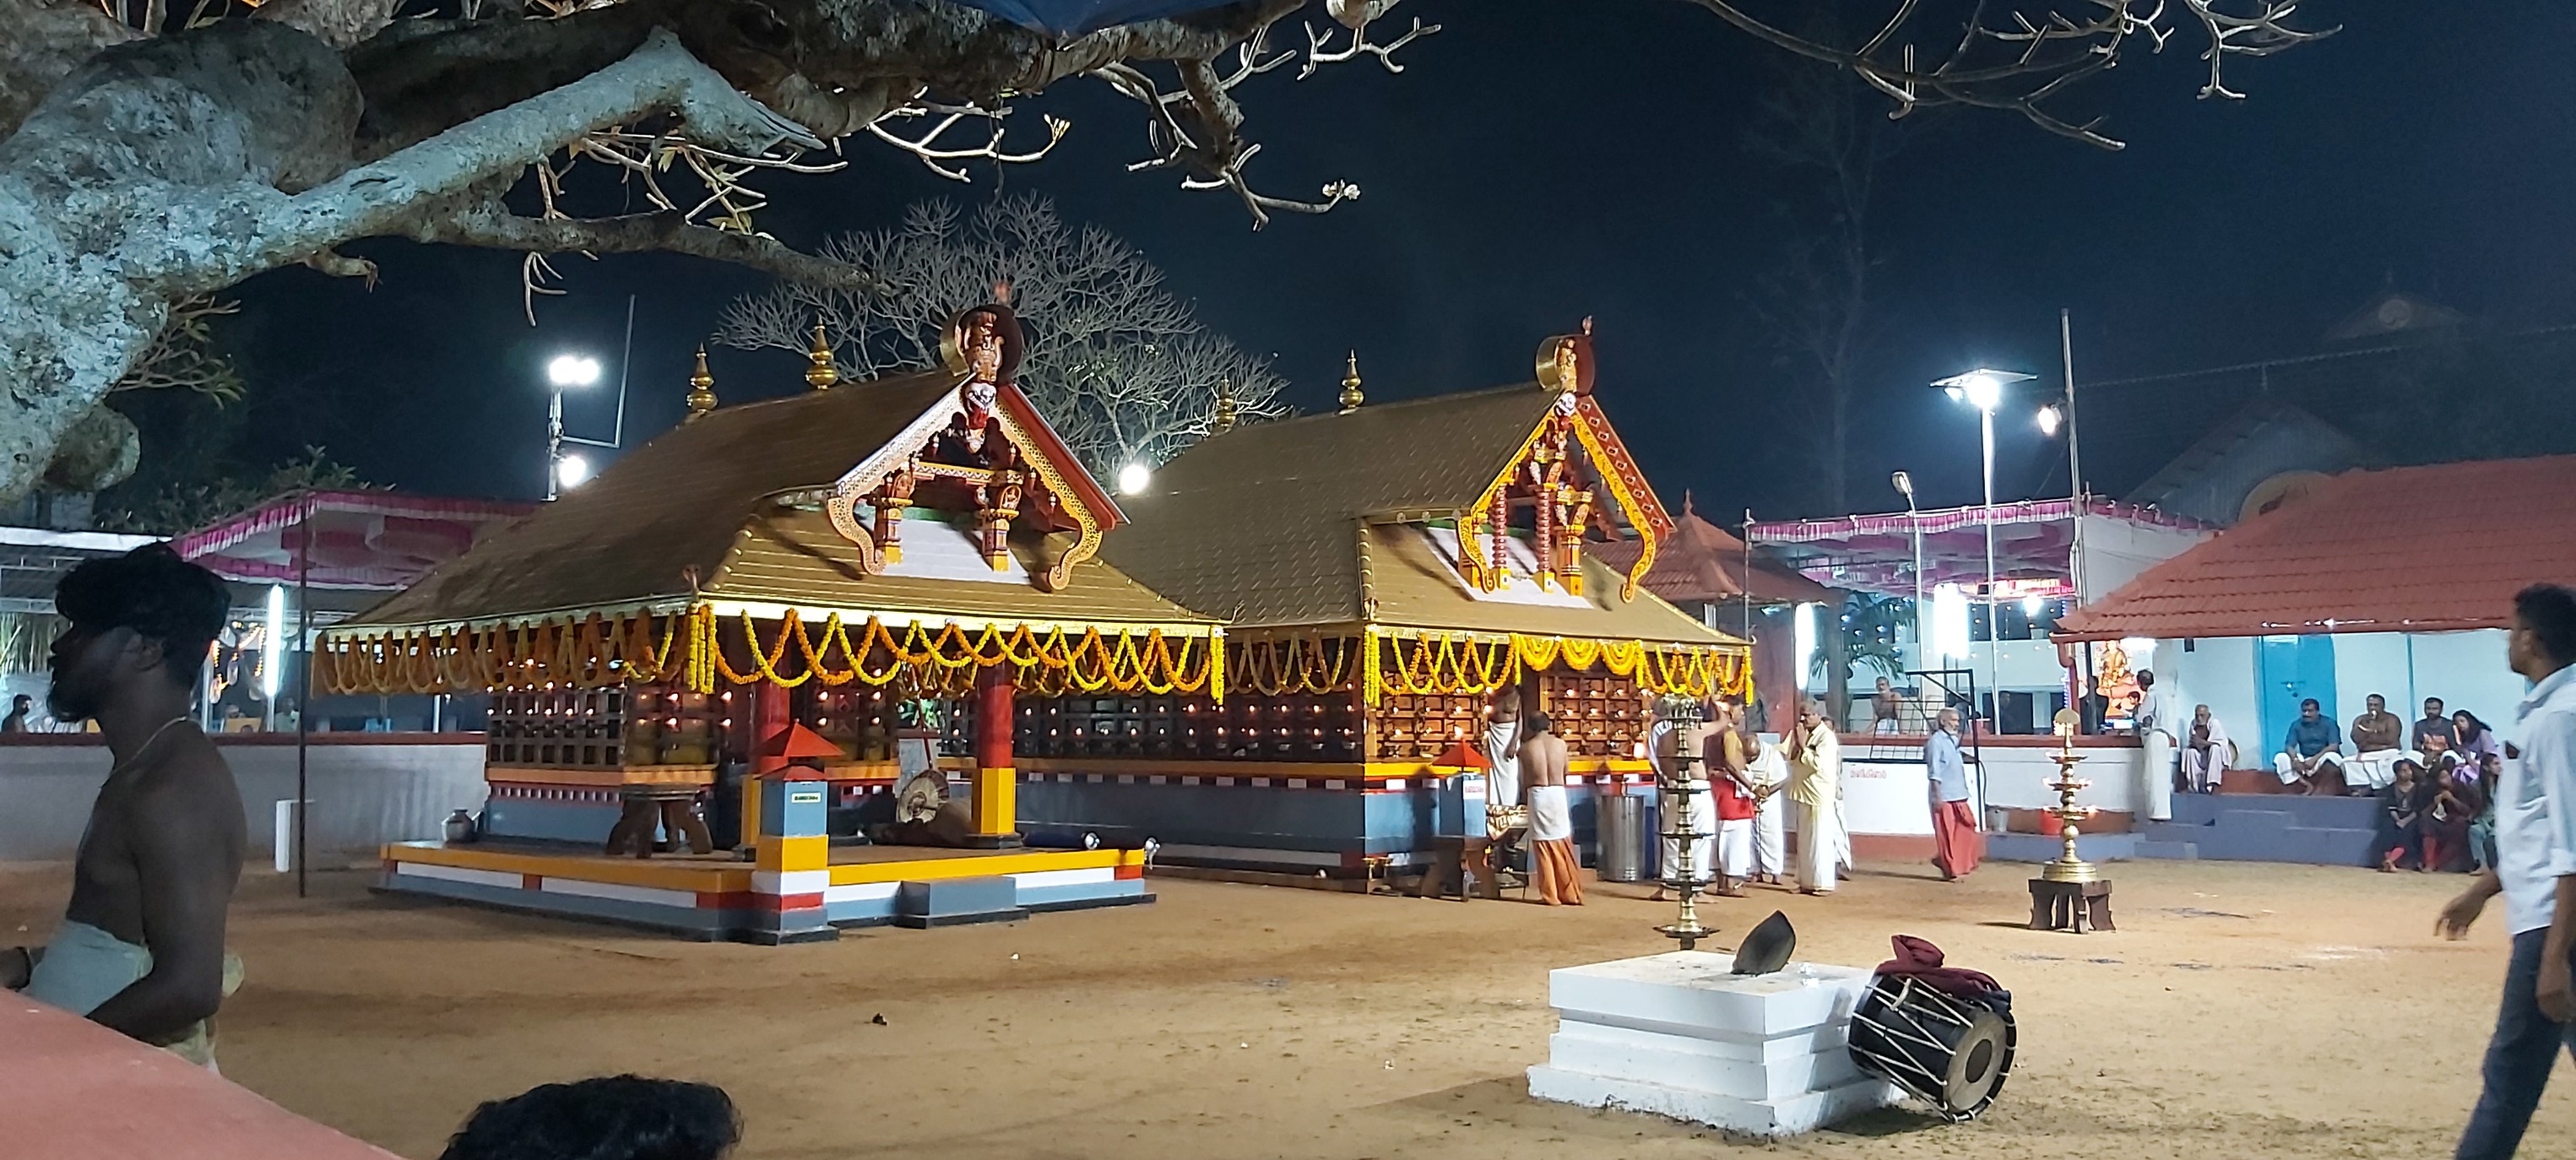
[(797, 741), (1461, 755), (1070, 18)]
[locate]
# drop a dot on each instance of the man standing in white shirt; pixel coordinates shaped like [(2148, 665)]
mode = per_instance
[(2536, 872), (2155, 721)]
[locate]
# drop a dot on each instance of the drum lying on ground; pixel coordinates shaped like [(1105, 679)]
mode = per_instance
[(1949, 1052)]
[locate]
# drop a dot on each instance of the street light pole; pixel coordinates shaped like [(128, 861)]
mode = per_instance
[(2074, 456), (554, 439), (1984, 389), (1994, 625)]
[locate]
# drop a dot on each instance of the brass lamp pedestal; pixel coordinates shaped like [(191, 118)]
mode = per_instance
[(2070, 893)]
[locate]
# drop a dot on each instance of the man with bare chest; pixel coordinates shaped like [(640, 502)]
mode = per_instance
[(1551, 823), (141, 945)]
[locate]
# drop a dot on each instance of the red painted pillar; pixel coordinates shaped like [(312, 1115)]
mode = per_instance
[(996, 778), (770, 716)]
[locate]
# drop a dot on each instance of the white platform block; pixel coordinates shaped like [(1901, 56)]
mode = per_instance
[(1677, 1035)]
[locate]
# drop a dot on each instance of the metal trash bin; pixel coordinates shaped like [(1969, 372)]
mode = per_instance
[(1619, 830)]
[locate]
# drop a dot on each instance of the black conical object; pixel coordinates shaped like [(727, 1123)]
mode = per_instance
[(1768, 948)]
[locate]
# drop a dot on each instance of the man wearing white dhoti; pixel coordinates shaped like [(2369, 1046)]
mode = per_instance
[(1668, 737), (2156, 721), (1816, 765), (1768, 773), (1503, 807), (2376, 737), (2206, 752)]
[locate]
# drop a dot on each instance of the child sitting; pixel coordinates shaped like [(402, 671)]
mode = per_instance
[(2400, 818)]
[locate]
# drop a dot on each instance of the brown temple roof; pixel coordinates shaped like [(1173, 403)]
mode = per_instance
[(1702, 563), (2366, 551), (701, 500), (1262, 525)]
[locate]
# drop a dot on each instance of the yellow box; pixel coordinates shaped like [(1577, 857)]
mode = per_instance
[(997, 801), (751, 812), (812, 853)]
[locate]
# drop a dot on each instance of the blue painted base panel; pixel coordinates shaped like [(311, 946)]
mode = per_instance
[(704, 925), (738, 925), (1262, 828), (584, 825)]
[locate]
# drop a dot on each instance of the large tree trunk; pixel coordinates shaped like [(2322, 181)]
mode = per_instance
[(174, 166), (177, 166)]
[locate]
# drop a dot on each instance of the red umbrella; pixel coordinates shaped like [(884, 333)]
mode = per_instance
[(797, 741), (1461, 755)]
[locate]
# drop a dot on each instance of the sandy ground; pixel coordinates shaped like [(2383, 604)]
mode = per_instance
[(2241, 1011)]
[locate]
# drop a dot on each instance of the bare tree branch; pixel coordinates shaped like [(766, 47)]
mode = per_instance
[(639, 234), (2022, 60), (1119, 364)]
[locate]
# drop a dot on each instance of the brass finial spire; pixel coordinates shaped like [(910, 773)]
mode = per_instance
[(1225, 411), (702, 388), (1351, 396), (822, 374)]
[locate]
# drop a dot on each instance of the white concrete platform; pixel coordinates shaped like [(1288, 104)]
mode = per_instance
[(1677, 1035)]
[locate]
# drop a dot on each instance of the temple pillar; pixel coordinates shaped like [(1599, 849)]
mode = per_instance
[(792, 867), (996, 803), (767, 715)]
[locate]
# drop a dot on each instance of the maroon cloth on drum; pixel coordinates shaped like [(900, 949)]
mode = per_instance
[(1920, 959)]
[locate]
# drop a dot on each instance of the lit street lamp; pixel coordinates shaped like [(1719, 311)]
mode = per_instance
[(1133, 479), (1983, 389)]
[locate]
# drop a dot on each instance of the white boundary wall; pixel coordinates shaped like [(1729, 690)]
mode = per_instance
[(364, 795)]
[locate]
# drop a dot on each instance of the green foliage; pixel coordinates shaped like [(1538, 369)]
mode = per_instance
[(178, 508), (1871, 626)]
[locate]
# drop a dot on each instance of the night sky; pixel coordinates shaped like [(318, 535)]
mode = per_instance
[(1538, 162)]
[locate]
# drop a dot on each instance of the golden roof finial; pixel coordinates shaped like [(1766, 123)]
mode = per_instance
[(1351, 397), (702, 388), (1225, 411), (822, 374)]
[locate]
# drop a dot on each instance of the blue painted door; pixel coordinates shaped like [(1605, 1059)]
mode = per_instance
[(2288, 670)]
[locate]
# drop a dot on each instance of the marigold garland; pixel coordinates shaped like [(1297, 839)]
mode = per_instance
[(1415, 664), (1294, 665), (596, 652)]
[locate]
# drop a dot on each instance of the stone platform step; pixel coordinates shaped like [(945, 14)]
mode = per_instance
[(2336, 813), (2170, 851), (2258, 828)]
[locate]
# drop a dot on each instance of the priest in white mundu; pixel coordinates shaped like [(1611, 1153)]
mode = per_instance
[(1815, 783), (1503, 812), (1768, 773)]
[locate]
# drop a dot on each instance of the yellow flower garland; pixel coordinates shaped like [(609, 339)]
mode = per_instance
[(1451, 664), (596, 652)]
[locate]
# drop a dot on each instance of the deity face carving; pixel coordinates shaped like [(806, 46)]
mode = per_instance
[(983, 344), (979, 395)]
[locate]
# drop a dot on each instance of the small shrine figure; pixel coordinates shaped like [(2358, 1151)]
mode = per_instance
[(981, 346)]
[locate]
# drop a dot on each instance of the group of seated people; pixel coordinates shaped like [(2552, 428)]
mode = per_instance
[(2435, 781), (2438, 743)]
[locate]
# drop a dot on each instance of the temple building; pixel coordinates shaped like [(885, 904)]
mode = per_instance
[(804, 613), (1384, 571)]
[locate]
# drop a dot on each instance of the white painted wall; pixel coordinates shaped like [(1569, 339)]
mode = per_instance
[(2218, 672), (2373, 662), (363, 795), (2018, 777), (2467, 671), (2116, 551)]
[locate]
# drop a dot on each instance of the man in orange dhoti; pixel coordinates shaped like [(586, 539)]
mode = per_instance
[(1553, 864)]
